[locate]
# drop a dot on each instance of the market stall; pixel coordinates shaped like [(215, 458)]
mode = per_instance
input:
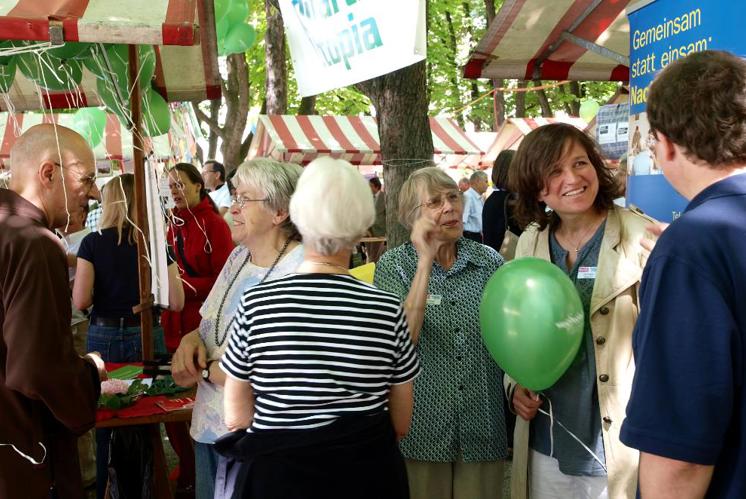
[(301, 139)]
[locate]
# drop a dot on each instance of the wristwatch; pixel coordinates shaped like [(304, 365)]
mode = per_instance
[(206, 372)]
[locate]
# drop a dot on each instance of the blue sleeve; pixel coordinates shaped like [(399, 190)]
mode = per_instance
[(87, 247), (683, 390), (467, 208)]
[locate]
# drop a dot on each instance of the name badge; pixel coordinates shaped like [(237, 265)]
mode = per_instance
[(587, 272), (434, 299)]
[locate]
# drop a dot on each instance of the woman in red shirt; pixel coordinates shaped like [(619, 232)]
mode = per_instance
[(201, 241)]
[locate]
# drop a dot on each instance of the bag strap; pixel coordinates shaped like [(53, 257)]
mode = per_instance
[(180, 248)]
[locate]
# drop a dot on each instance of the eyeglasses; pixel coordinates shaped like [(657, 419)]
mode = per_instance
[(88, 181), (436, 202), (242, 200)]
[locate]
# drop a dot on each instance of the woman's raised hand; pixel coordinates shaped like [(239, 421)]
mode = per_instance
[(423, 237)]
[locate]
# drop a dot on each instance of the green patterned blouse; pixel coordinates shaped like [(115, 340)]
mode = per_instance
[(458, 398)]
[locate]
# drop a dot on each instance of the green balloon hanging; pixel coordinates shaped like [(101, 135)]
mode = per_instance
[(588, 110), (7, 73), (532, 321), (240, 38), (107, 92), (69, 50), (50, 72), (156, 115), (238, 11), (90, 122)]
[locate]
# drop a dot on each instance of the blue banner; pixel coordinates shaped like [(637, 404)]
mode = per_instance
[(661, 32)]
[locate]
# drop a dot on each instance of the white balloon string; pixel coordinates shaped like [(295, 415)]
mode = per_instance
[(552, 420), (26, 456)]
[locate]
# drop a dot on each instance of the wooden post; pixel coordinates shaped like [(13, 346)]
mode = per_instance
[(141, 219)]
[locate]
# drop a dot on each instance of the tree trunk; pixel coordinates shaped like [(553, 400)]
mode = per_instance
[(237, 110), (520, 101), (546, 109), (454, 76), (401, 100), (499, 97), (489, 7), (213, 140), (274, 38), (575, 104), (307, 105)]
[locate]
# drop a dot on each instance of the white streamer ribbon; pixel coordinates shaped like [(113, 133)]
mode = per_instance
[(552, 420), (27, 457)]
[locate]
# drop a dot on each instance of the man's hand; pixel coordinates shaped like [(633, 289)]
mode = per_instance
[(525, 403), (189, 360), (99, 362), (655, 229)]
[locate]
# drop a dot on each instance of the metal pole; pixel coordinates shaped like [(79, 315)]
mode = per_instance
[(141, 219)]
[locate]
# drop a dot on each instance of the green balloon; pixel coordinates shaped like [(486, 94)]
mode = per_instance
[(237, 13), (239, 39), (589, 109), (90, 122), (7, 73), (70, 50), (156, 115), (50, 72), (221, 8), (118, 56), (108, 94), (532, 321)]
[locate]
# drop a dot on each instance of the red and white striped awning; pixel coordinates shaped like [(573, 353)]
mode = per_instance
[(301, 139), (555, 40), (148, 22), (513, 130), (117, 141), (183, 32)]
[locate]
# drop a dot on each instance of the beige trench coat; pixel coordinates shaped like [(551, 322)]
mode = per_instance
[(614, 310)]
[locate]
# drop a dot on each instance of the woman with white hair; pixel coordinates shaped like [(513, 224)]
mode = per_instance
[(268, 248), (457, 443), (320, 365)]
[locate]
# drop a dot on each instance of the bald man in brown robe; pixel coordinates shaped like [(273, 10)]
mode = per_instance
[(48, 393)]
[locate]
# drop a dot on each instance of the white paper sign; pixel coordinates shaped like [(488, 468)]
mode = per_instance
[(607, 133), (336, 43), (622, 132)]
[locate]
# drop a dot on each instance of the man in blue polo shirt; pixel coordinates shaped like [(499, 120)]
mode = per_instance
[(687, 411)]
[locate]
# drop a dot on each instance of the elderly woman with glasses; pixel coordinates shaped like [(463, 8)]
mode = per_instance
[(268, 248), (457, 442), (320, 365)]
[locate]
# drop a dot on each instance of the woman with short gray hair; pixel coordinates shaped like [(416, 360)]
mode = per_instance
[(457, 441), (268, 248), (320, 365)]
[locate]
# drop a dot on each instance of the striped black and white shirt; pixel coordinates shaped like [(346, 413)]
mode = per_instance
[(316, 347)]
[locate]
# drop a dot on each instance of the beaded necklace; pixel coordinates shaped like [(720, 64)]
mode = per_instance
[(218, 341)]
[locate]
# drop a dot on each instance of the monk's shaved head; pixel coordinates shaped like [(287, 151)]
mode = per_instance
[(45, 142), (54, 168)]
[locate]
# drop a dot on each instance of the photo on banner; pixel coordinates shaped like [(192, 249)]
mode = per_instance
[(334, 44), (661, 32)]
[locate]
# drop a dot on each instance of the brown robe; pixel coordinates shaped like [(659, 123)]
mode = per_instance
[(48, 393)]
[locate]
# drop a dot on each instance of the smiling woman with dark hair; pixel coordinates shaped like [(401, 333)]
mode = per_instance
[(598, 246)]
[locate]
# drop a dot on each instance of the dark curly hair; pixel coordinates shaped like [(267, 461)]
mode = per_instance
[(699, 103), (539, 151)]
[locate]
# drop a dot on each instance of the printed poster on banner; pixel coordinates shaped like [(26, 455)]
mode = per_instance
[(662, 31), (336, 43)]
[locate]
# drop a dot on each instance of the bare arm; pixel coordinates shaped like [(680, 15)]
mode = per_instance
[(401, 405), (416, 301), (423, 240), (83, 287), (189, 359), (664, 478), (175, 289), (238, 404)]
